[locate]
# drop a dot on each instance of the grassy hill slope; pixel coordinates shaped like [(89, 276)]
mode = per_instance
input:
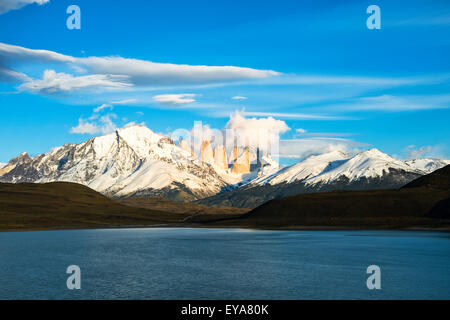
[(60, 205)]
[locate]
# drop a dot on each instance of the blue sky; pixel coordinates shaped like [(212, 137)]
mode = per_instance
[(312, 64)]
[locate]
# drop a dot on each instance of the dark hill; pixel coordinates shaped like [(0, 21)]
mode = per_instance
[(439, 179), (441, 210), (60, 205), (422, 203), (425, 202)]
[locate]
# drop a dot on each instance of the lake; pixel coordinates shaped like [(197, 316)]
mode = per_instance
[(171, 263)]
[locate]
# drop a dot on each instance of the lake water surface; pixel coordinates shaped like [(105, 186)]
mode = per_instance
[(224, 264)]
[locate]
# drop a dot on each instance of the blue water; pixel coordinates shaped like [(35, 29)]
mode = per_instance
[(224, 264)]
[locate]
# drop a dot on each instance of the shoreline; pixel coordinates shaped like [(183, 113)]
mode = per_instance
[(445, 229)]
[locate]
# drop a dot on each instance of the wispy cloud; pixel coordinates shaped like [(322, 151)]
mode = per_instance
[(53, 82), (302, 148), (8, 75), (125, 101), (102, 107), (148, 74), (412, 152), (391, 103), (293, 116), (303, 133), (435, 20), (137, 72), (174, 99), (98, 123), (8, 5), (322, 134), (299, 79)]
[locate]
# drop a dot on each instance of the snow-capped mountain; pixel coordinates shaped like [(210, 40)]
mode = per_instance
[(370, 169), (135, 161), (335, 166), (2, 164), (428, 165), (308, 168), (130, 161), (369, 164)]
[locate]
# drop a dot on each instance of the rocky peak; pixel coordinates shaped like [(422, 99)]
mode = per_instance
[(242, 163), (220, 157), (23, 158), (186, 147), (235, 153), (206, 152)]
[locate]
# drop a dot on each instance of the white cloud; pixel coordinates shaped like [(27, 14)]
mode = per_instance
[(138, 72), (102, 107), (84, 127), (305, 134), (126, 101), (297, 116), (17, 54), (7, 5), (392, 103), (265, 133), (239, 121), (174, 99), (260, 132), (53, 82), (9, 75), (239, 98), (143, 72), (104, 125), (413, 152), (239, 131)]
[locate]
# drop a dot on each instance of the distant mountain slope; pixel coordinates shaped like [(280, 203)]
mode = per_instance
[(424, 202), (309, 168), (428, 165), (33, 206), (131, 161), (136, 162), (370, 164), (62, 205), (367, 170)]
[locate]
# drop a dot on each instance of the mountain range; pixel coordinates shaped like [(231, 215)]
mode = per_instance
[(367, 170), (135, 162), (422, 203)]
